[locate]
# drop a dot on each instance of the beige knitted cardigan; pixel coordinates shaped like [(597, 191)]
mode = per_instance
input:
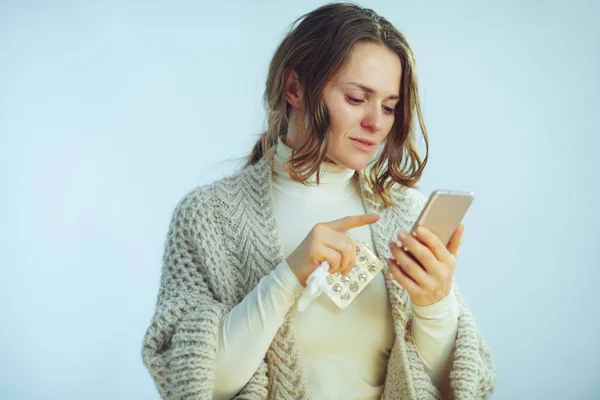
[(222, 240)]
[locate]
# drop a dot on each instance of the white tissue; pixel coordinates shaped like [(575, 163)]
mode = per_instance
[(316, 283)]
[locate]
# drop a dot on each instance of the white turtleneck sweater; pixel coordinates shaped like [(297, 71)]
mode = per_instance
[(344, 352)]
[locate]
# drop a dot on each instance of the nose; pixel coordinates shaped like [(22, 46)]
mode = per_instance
[(373, 118)]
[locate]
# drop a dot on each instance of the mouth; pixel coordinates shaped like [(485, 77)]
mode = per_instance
[(363, 144), (367, 141)]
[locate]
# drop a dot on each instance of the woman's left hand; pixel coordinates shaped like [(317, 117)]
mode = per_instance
[(426, 273)]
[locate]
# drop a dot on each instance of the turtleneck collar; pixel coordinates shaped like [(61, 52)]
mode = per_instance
[(334, 180)]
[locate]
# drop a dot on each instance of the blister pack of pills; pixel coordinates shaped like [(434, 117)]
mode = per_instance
[(346, 288)]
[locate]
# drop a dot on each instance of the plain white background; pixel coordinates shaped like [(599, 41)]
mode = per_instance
[(111, 111)]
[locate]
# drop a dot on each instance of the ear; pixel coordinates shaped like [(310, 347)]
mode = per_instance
[(293, 89)]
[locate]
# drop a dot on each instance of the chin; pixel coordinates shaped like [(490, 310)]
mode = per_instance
[(352, 158), (355, 163)]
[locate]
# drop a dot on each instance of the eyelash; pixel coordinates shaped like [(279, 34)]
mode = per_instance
[(355, 102)]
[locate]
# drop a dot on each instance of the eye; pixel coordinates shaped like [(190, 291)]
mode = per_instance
[(354, 101), (389, 110)]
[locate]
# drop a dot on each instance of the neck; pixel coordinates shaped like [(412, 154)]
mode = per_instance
[(334, 180)]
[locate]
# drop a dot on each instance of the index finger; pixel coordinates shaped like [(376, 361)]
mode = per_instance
[(352, 221)]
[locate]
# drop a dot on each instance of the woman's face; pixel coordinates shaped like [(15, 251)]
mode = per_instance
[(361, 100)]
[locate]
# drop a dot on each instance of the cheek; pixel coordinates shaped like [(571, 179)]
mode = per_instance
[(344, 117)]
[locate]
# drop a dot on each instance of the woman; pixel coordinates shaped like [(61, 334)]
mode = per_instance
[(341, 93)]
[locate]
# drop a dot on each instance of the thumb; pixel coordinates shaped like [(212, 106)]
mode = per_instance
[(454, 242)]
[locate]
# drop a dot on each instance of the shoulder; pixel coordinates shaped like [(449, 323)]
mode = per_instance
[(408, 198), (207, 199), (408, 204)]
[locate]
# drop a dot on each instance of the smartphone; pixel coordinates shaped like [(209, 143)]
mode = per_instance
[(443, 212)]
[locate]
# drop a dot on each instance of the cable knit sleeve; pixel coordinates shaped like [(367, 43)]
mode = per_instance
[(473, 373), (180, 345)]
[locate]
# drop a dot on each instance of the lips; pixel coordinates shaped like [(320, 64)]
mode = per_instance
[(363, 144), (366, 141)]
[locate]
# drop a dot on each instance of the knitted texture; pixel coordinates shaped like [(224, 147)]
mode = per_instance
[(222, 240)]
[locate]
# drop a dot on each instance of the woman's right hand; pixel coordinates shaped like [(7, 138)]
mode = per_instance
[(327, 242)]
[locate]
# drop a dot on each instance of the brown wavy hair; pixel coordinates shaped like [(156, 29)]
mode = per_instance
[(317, 46)]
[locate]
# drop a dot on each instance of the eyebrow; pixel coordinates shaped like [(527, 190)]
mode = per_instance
[(369, 90)]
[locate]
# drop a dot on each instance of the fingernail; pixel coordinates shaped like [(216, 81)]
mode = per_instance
[(402, 235), (421, 230)]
